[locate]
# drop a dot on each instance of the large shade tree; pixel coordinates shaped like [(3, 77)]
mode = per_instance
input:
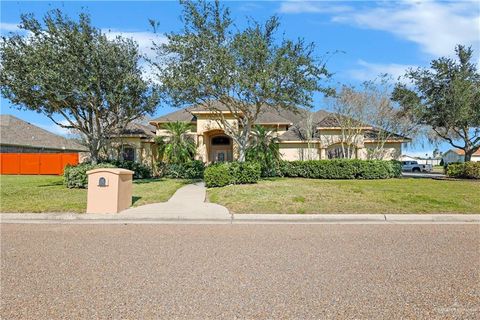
[(70, 70), (446, 98), (235, 72)]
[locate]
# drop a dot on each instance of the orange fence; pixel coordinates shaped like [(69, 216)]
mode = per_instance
[(36, 163)]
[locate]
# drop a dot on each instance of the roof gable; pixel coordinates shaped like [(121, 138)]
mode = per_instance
[(14, 131)]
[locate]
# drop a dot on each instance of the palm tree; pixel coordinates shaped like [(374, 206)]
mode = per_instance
[(178, 146), (264, 149)]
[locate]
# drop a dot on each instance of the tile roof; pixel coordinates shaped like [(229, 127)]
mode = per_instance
[(17, 132), (295, 118), (139, 129), (461, 152), (268, 115)]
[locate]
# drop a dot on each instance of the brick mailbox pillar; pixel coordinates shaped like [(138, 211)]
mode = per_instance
[(109, 190)]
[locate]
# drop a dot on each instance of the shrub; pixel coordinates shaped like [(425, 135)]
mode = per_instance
[(222, 174), (76, 176), (341, 169), (468, 170), (189, 170), (217, 175), (141, 171)]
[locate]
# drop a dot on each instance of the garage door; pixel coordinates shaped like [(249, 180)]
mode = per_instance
[(36, 163)]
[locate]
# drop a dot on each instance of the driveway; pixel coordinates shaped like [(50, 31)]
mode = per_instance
[(423, 175), (240, 271)]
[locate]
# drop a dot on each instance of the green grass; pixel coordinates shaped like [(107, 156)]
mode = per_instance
[(48, 194), (297, 195)]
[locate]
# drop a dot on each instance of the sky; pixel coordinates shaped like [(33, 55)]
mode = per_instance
[(362, 39)]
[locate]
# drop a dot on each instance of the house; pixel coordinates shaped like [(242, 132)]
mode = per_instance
[(135, 143), (458, 155), (28, 149), (213, 144)]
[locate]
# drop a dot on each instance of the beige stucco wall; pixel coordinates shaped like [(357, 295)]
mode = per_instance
[(392, 151), (206, 127), (299, 151), (145, 150)]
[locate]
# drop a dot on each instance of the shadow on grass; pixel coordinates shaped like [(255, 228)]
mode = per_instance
[(53, 184), (135, 199), (185, 181)]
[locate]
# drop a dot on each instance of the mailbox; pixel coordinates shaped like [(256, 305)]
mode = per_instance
[(109, 190)]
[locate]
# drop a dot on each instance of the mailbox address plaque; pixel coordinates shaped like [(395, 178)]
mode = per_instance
[(102, 182)]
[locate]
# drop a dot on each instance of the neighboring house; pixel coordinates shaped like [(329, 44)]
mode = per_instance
[(135, 143), (214, 145), (420, 160), (28, 149), (457, 155)]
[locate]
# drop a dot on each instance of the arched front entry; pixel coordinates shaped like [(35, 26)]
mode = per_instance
[(219, 148)]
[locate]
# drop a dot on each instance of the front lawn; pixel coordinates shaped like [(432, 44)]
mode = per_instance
[(298, 195), (48, 194)]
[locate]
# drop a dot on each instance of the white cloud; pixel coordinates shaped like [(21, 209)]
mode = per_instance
[(144, 39), (145, 42), (369, 71), (311, 7), (435, 26), (8, 27)]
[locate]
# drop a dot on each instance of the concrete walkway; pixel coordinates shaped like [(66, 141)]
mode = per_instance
[(187, 203)]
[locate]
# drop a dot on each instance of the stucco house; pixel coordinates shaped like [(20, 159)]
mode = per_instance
[(214, 145), (457, 155), (135, 143)]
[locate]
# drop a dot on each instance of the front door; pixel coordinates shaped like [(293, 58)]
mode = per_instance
[(220, 155)]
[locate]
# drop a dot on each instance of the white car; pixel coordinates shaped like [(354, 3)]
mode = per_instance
[(414, 166)]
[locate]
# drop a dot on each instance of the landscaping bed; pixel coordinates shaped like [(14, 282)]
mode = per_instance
[(49, 194), (300, 195)]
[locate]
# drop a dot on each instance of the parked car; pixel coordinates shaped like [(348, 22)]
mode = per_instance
[(414, 166)]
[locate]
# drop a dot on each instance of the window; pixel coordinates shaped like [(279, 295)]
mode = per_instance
[(128, 154), (337, 153), (221, 141)]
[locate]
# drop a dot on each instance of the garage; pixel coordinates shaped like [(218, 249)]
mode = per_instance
[(29, 149)]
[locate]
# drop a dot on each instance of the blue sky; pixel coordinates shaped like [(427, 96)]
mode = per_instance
[(375, 37)]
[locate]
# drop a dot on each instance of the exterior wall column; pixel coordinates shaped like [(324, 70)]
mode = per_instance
[(139, 154), (323, 153), (201, 148)]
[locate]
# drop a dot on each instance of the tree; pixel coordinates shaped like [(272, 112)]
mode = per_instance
[(239, 72), (349, 108), (69, 69), (178, 147), (264, 149), (387, 119), (446, 98)]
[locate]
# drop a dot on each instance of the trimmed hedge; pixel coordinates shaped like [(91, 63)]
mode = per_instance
[(341, 169), (222, 174), (190, 170), (467, 170), (76, 176), (141, 171)]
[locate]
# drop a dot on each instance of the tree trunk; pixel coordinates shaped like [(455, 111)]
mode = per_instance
[(241, 153), (94, 151), (468, 155)]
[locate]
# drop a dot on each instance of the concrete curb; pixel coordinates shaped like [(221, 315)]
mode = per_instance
[(237, 218)]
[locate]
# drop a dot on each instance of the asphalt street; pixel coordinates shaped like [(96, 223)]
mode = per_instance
[(240, 271)]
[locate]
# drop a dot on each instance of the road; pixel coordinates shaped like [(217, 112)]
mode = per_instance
[(240, 271)]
